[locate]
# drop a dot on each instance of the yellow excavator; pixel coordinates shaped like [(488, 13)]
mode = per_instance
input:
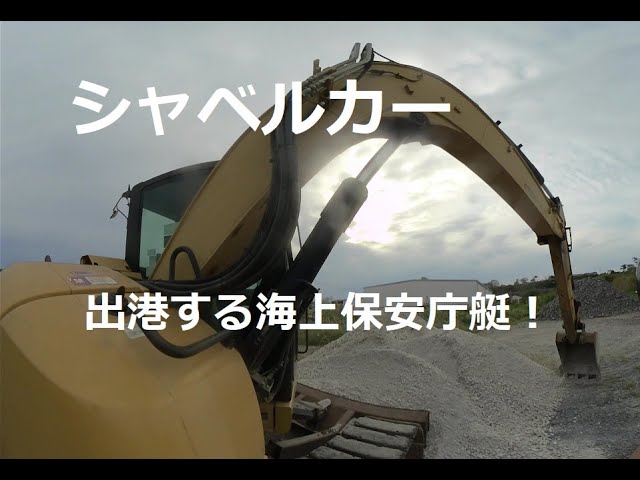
[(225, 228)]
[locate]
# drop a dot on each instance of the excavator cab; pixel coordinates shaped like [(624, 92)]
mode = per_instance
[(156, 207)]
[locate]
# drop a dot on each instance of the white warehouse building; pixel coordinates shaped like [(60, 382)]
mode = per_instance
[(427, 288)]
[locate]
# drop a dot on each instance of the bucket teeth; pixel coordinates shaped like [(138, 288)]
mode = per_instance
[(579, 359)]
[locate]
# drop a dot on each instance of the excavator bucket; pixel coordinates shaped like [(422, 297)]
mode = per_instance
[(580, 358)]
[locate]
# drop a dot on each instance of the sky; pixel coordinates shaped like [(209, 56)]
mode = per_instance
[(569, 92)]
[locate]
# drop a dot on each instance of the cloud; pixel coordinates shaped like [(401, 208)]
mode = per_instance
[(567, 91)]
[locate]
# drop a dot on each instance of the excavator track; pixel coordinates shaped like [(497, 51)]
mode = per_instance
[(370, 437), (327, 426)]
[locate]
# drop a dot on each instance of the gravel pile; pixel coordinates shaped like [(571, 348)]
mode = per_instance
[(487, 400), (598, 298)]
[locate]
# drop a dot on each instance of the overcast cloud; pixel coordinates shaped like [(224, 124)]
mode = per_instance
[(568, 91)]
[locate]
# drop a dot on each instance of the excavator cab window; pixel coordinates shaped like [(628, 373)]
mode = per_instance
[(156, 229), (156, 207)]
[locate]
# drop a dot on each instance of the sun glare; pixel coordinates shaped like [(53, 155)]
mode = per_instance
[(412, 177)]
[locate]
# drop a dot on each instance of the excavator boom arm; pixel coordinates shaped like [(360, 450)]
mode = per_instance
[(249, 204)]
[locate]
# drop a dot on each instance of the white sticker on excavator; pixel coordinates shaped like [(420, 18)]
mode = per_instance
[(101, 280), (86, 279), (134, 333)]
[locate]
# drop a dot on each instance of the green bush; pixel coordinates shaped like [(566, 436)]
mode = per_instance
[(463, 319), (626, 282), (623, 281), (518, 312), (322, 337)]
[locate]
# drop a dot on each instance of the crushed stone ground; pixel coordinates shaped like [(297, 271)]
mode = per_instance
[(594, 418), (598, 298), (487, 398), (476, 388)]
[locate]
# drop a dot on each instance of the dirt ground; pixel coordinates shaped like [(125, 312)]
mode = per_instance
[(597, 419)]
